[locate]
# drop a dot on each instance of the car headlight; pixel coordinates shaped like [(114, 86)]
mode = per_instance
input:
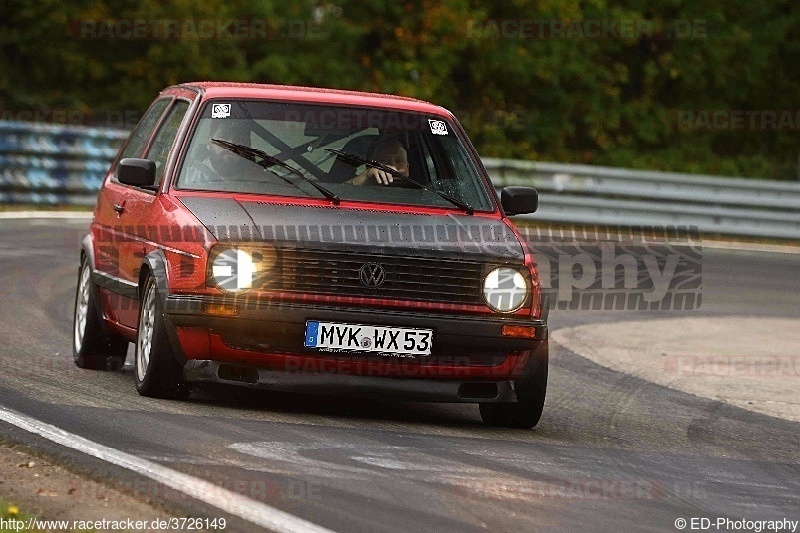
[(505, 289), (235, 269)]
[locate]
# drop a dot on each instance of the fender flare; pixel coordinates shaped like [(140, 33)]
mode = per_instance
[(87, 247), (155, 264), (87, 250)]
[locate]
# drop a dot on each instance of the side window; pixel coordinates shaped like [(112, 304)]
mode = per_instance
[(141, 134), (165, 137)]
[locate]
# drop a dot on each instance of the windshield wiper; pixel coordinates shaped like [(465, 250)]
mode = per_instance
[(267, 161), (369, 162)]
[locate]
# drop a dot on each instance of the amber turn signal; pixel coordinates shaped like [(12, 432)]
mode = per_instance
[(525, 332), (220, 309)]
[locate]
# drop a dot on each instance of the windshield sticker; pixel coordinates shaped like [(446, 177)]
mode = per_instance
[(220, 110), (438, 127)]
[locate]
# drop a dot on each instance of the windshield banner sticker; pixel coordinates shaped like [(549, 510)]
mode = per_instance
[(438, 127), (220, 110)]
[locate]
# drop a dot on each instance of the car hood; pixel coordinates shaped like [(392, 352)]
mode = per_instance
[(327, 227)]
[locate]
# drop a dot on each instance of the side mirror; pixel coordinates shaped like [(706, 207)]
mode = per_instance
[(137, 172), (519, 200)]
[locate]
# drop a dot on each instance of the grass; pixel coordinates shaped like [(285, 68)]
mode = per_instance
[(11, 512)]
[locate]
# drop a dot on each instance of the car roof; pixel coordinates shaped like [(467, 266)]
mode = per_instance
[(221, 89)]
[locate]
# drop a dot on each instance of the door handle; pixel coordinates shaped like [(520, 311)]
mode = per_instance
[(119, 208)]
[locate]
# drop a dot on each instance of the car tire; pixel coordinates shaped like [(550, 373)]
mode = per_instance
[(531, 390), (156, 371), (92, 346)]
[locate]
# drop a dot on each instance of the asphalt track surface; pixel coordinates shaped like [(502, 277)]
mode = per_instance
[(611, 453)]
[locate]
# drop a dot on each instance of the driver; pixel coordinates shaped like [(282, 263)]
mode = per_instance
[(221, 164), (223, 161), (390, 152)]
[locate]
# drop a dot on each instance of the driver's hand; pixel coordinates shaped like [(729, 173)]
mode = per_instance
[(374, 174)]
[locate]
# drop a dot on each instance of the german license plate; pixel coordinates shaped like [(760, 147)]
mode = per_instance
[(335, 336)]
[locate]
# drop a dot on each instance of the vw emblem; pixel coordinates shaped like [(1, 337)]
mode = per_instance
[(372, 275)]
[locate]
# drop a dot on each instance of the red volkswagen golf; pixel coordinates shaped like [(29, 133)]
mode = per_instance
[(312, 240)]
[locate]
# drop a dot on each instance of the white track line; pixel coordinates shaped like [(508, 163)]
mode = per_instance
[(248, 509)]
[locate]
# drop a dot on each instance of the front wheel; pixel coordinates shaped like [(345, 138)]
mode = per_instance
[(531, 389), (92, 346), (157, 373)]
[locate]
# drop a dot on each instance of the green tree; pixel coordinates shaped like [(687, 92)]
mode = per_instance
[(550, 96)]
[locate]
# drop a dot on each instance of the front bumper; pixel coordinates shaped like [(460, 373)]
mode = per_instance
[(426, 390), (268, 335)]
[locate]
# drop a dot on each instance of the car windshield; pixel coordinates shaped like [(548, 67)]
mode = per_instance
[(352, 153)]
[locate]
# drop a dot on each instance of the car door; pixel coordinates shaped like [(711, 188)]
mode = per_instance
[(142, 210), (111, 219)]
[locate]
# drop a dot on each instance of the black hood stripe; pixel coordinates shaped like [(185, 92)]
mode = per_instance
[(327, 226)]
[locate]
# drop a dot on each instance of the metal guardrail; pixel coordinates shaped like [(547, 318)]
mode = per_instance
[(48, 164), (54, 165), (596, 195)]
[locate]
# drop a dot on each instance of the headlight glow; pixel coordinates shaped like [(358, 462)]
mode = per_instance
[(505, 289), (237, 269)]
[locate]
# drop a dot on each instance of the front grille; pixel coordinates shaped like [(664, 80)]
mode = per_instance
[(406, 278)]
